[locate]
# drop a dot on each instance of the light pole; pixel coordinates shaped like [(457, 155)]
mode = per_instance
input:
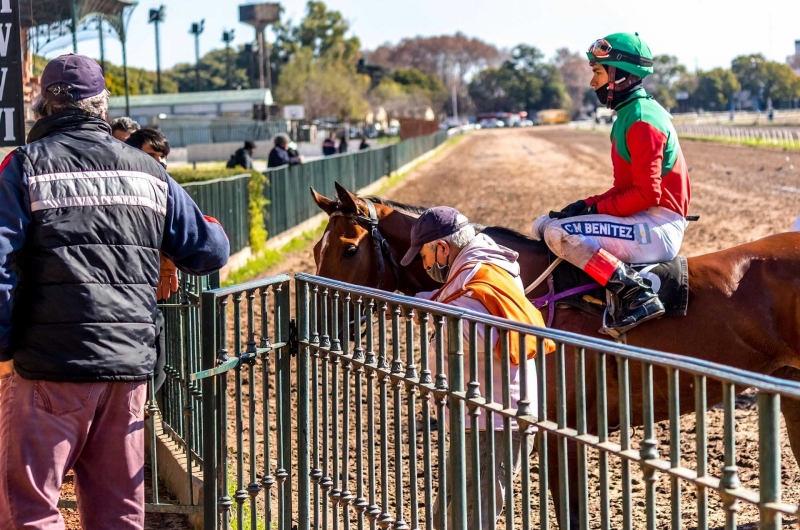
[(227, 38), (156, 17), (197, 29)]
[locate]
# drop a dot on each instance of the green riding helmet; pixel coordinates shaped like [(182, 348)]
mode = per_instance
[(623, 50)]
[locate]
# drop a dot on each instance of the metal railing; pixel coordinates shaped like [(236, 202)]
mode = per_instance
[(267, 316), (290, 201), (227, 200), (183, 134), (778, 137), (337, 434)]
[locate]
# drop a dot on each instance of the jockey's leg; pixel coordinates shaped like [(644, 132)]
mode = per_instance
[(602, 245)]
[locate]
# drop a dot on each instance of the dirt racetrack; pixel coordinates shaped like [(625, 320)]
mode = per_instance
[(508, 177)]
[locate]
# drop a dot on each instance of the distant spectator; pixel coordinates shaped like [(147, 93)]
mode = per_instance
[(122, 128), (364, 144), (279, 156), (343, 144), (329, 145), (151, 142), (243, 157), (292, 150)]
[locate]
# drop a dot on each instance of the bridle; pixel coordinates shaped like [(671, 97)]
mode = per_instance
[(382, 249)]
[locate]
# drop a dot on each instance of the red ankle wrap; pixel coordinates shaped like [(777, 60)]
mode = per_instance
[(601, 266)]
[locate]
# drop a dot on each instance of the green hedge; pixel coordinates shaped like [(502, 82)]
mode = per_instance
[(257, 201), (184, 175)]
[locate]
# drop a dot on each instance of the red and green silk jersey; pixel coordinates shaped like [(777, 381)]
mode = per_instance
[(649, 168)]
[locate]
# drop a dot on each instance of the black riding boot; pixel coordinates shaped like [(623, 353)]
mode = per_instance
[(635, 301)]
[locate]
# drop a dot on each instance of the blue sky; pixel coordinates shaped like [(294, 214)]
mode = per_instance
[(710, 32)]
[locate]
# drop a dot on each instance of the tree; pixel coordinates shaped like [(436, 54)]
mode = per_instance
[(715, 89), (780, 83), (212, 71), (529, 59), (750, 71), (523, 83), (404, 100), (766, 79), (411, 77), (326, 87), (451, 57), (667, 71), (576, 73), (323, 31)]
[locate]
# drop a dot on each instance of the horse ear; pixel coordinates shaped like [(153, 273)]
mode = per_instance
[(348, 200), (325, 204)]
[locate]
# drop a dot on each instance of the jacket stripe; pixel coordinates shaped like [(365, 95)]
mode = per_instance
[(107, 200), (97, 174)]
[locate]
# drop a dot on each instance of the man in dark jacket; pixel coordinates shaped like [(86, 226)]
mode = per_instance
[(329, 145), (279, 156), (82, 220), (243, 156)]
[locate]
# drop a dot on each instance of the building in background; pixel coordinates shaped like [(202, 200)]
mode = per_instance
[(151, 109)]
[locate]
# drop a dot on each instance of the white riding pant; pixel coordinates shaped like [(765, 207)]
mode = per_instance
[(651, 236)]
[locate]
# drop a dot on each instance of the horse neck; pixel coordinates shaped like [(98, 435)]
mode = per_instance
[(396, 229), (534, 257)]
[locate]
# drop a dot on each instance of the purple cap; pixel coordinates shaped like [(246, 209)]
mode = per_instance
[(435, 223), (82, 75)]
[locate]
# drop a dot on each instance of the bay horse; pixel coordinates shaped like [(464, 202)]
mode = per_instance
[(744, 309)]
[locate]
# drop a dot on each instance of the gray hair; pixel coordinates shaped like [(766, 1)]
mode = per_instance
[(124, 124), (460, 239), (94, 106)]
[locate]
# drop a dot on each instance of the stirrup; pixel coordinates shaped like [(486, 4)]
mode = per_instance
[(616, 332)]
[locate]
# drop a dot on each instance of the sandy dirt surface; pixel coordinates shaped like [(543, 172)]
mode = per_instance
[(508, 177)]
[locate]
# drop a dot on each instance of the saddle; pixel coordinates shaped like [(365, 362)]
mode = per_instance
[(570, 287)]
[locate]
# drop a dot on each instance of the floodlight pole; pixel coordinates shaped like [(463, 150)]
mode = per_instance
[(156, 18), (227, 38), (102, 44), (197, 29), (73, 10)]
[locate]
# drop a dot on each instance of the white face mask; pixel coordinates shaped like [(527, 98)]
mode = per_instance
[(438, 273)]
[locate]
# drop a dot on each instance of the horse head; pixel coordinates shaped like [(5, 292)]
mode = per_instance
[(364, 242)]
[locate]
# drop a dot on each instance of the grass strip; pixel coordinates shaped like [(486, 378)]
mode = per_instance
[(269, 258)]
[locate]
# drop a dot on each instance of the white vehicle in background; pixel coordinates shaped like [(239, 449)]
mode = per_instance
[(524, 123), (491, 124), (604, 115)]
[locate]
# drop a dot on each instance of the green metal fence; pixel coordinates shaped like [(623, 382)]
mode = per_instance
[(227, 201), (290, 200), (314, 421), (287, 190)]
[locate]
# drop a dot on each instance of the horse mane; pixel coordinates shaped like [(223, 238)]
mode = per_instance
[(501, 231), (510, 234), (408, 208)]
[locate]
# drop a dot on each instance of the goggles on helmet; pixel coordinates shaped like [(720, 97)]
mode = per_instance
[(602, 51)]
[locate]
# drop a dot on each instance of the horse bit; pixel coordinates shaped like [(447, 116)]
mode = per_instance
[(382, 249)]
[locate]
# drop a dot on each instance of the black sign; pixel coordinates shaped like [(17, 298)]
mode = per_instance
[(12, 117)]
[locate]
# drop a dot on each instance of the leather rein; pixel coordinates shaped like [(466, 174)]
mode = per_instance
[(382, 249)]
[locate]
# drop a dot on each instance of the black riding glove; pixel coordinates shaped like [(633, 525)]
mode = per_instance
[(574, 209)]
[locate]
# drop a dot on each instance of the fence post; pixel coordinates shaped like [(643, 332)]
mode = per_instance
[(285, 428), (769, 460), (303, 443), (455, 364), (209, 359)]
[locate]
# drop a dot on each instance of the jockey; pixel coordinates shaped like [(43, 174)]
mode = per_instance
[(641, 219)]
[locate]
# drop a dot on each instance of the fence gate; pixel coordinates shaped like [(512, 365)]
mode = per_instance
[(326, 405)]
